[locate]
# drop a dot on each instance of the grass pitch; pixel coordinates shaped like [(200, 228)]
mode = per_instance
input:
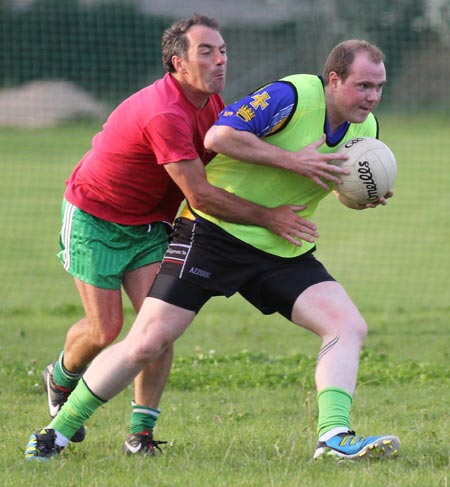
[(240, 409)]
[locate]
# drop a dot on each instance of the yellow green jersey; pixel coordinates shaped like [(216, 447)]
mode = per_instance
[(289, 113)]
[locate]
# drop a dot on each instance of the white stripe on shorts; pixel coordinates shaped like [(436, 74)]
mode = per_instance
[(66, 231)]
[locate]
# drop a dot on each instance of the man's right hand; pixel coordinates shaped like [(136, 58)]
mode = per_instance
[(285, 222)]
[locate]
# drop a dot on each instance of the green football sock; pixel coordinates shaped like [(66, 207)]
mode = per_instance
[(62, 377), (143, 418), (334, 409), (80, 406)]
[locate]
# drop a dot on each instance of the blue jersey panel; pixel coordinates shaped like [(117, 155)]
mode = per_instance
[(263, 112)]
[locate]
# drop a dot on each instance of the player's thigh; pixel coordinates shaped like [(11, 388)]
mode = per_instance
[(157, 325), (103, 307), (138, 282), (146, 252), (326, 308), (278, 282)]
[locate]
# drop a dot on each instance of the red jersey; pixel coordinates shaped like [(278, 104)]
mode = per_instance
[(121, 178)]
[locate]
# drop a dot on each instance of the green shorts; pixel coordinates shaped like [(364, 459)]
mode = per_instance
[(100, 252)]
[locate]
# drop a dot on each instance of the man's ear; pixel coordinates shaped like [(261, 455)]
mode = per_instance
[(333, 78), (178, 64)]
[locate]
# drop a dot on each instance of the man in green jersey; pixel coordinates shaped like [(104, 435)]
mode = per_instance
[(279, 130)]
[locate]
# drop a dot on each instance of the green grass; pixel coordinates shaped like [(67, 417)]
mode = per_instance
[(242, 435), (240, 405), (240, 409)]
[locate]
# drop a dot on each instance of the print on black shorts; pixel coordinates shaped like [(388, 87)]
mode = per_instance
[(176, 256)]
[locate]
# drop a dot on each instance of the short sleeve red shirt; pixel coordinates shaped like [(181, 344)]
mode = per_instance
[(121, 178)]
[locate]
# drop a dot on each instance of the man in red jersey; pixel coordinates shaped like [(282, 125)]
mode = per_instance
[(120, 202)]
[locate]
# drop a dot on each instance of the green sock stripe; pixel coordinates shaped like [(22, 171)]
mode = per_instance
[(136, 408), (80, 406), (62, 377), (67, 373), (334, 409), (143, 418)]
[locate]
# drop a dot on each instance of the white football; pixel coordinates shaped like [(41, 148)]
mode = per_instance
[(373, 170)]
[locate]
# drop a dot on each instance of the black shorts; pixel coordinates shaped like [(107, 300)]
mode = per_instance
[(204, 261)]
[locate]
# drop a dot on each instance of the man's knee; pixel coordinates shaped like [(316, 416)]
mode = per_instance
[(143, 352), (105, 332), (359, 328)]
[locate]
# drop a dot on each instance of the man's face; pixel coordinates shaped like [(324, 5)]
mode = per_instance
[(206, 60), (359, 94)]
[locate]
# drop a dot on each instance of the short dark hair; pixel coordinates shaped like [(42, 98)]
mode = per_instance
[(175, 42), (342, 56)]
